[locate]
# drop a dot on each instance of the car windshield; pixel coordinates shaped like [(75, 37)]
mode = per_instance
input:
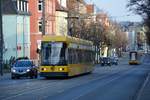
[(105, 59), (23, 64)]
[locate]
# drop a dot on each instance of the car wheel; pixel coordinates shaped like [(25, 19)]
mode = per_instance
[(12, 77), (17, 77), (46, 77), (31, 77), (36, 76)]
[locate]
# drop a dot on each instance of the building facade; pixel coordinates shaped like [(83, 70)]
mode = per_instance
[(103, 18), (61, 18), (16, 19), (77, 11), (36, 8)]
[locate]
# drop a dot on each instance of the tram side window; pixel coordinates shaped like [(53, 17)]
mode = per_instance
[(92, 56), (63, 59), (82, 56), (79, 56), (73, 56), (76, 56), (70, 56)]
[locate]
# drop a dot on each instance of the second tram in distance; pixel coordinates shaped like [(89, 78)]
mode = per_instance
[(134, 58)]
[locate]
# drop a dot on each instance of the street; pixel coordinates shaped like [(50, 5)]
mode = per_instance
[(121, 82), (101, 51)]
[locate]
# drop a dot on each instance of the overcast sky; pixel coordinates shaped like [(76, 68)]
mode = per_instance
[(116, 9)]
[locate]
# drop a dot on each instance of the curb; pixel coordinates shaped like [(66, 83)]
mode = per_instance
[(4, 76)]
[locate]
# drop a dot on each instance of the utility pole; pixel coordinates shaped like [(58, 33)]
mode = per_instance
[(1, 40), (43, 18)]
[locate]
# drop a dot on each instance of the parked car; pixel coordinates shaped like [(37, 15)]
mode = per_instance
[(22, 58), (105, 61), (116, 57), (114, 60), (13, 60), (24, 68)]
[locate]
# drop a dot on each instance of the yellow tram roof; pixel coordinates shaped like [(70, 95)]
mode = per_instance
[(67, 39)]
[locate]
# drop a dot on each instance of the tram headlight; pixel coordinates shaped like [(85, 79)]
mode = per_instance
[(43, 69), (60, 69)]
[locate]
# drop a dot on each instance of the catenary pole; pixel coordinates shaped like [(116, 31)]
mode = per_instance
[(43, 18), (1, 40)]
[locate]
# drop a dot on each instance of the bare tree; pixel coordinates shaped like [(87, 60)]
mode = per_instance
[(142, 7)]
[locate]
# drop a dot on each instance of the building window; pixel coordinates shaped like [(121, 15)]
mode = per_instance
[(40, 5), (40, 26), (39, 44), (24, 6), (27, 6), (21, 3), (18, 5)]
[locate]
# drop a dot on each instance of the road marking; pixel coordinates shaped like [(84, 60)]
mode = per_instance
[(28, 91), (61, 91)]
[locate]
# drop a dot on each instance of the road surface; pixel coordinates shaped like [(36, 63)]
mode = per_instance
[(121, 82)]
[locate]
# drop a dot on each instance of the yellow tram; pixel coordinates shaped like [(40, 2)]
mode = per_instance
[(63, 56), (134, 58)]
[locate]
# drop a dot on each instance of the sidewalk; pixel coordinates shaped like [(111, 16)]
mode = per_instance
[(5, 76), (144, 93)]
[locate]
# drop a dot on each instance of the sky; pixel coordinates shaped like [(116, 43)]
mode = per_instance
[(116, 9)]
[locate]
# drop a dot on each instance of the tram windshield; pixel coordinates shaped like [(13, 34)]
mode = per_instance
[(53, 53), (133, 56)]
